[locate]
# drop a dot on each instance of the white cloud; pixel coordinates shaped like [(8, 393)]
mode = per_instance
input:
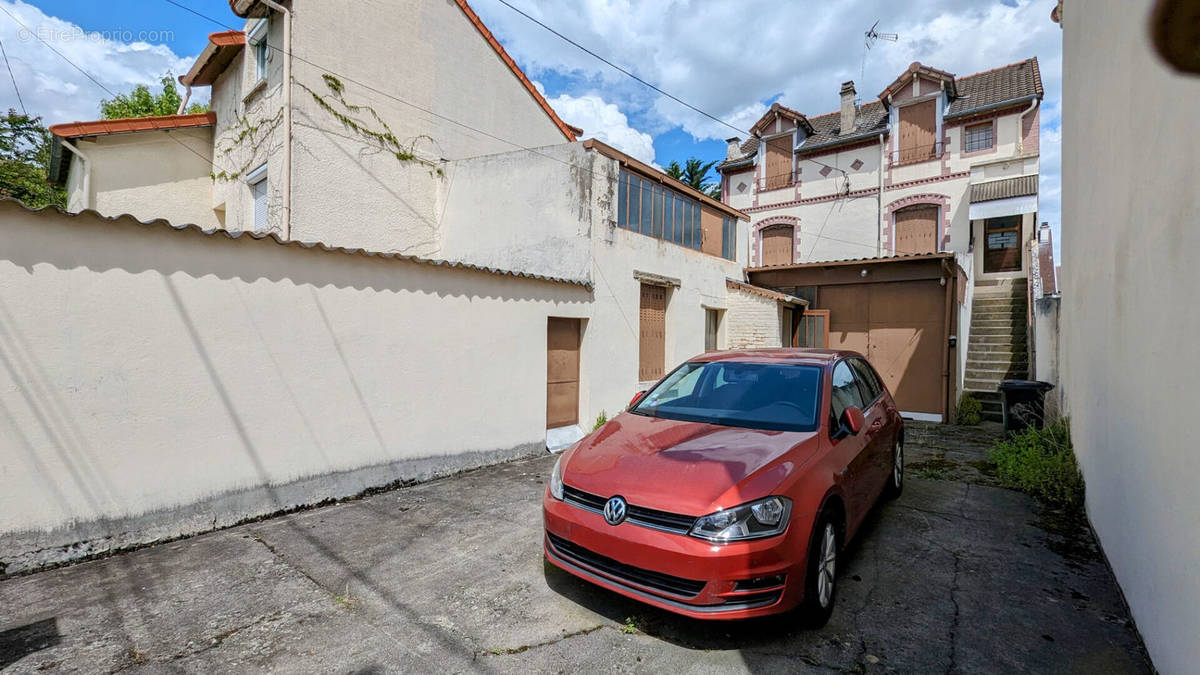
[(605, 122), (56, 90)]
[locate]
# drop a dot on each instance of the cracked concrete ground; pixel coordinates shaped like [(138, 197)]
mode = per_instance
[(955, 576)]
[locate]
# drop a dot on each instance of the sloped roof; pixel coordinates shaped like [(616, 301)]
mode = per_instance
[(917, 68), (130, 124), (214, 58), (1016, 81), (782, 111), (6, 203), (870, 119), (986, 90), (782, 298)]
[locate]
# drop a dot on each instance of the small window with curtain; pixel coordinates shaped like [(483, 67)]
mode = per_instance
[(978, 137)]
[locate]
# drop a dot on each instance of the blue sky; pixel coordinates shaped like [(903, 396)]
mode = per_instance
[(707, 52)]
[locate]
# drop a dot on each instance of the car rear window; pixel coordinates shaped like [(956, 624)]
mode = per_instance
[(774, 396)]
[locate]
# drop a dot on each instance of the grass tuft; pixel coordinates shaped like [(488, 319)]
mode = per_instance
[(969, 410), (1042, 463)]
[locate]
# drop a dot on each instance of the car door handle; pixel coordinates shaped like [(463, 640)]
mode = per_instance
[(876, 425)]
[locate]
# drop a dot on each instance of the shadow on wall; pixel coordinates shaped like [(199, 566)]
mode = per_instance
[(125, 244)]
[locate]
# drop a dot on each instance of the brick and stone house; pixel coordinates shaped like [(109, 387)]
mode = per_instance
[(936, 165)]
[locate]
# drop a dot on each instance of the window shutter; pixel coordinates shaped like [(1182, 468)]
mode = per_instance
[(259, 191), (653, 333)]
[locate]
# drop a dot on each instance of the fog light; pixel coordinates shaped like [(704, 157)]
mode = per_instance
[(759, 582)]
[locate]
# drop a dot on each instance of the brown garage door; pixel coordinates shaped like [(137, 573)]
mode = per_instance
[(899, 326), (777, 245), (652, 339), (562, 372), (916, 230)]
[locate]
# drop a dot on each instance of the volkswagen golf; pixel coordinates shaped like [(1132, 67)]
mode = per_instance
[(728, 490)]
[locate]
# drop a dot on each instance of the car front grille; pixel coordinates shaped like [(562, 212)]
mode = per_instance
[(677, 586), (638, 515)]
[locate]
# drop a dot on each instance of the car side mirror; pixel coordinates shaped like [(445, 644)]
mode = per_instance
[(636, 397), (852, 420)]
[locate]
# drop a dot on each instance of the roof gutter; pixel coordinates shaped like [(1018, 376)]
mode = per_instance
[(993, 106), (87, 172), (286, 187), (1021, 125)]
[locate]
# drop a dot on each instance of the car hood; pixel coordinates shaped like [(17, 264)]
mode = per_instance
[(691, 468)]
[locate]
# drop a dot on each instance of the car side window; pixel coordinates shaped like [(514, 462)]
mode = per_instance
[(866, 377), (845, 391)]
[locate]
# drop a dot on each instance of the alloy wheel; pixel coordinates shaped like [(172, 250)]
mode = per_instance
[(898, 465), (827, 568)]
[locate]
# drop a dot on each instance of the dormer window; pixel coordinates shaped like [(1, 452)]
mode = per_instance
[(258, 44), (978, 137)]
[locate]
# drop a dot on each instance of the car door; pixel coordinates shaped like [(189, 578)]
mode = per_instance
[(852, 463), (875, 428)]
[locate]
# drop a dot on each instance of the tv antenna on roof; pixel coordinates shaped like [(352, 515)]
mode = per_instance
[(873, 36)]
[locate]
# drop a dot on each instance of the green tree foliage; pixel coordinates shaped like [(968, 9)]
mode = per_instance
[(694, 172), (24, 161), (141, 102)]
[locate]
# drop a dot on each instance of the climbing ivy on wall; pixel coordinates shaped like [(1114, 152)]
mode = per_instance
[(250, 136), (383, 136)]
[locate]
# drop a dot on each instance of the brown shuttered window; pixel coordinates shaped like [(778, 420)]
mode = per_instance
[(918, 126), (653, 333), (916, 230), (777, 170), (777, 245)]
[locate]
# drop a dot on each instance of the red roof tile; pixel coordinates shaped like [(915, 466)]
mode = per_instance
[(130, 124), (217, 54)]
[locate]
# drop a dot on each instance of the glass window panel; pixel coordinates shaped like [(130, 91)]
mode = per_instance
[(656, 215), (697, 232), (622, 200), (678, 231), (647, 201), (687, 223)]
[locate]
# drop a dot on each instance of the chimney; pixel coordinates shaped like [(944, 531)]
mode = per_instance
[(848, 107), (733, 148)]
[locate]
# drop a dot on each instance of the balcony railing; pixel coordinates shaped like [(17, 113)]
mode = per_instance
[(776, 181)]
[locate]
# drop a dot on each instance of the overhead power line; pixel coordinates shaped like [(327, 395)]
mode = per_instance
[(14, 79), (614, 66)]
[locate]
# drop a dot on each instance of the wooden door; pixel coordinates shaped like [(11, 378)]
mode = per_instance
[(712, 324), (652, 338), (777, 245), (899, 327), (777, 169), (917, 230), (562, 372), (1002, 244), (918, 130)]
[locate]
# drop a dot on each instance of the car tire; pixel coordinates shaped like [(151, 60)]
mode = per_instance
[(895, 482), (820, 579)]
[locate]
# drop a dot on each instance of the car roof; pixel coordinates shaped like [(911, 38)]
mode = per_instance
[(802, 355)]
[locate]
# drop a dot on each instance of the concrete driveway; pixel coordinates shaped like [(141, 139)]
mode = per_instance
[(956, 576)]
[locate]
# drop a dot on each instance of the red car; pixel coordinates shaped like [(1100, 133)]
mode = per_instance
[(728, 490)]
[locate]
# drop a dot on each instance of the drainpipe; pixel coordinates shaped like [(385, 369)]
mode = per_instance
[(1021, 125), (87, 172), (879, 202), (286, 186), (183, 104)]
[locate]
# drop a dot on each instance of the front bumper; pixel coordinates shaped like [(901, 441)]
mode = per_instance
[(665, 569)]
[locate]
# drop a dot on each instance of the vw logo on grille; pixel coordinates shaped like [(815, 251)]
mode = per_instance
[(614, 511)]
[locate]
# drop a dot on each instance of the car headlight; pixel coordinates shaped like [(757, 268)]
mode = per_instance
[(753, 520), (556, 484)]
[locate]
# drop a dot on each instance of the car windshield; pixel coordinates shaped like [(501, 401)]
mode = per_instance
[(775, 396)]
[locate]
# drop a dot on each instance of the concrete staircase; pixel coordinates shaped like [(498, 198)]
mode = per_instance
[(998, 348)]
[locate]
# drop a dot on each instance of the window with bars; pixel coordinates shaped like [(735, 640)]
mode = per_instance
[(649, 208), (978, 137)]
